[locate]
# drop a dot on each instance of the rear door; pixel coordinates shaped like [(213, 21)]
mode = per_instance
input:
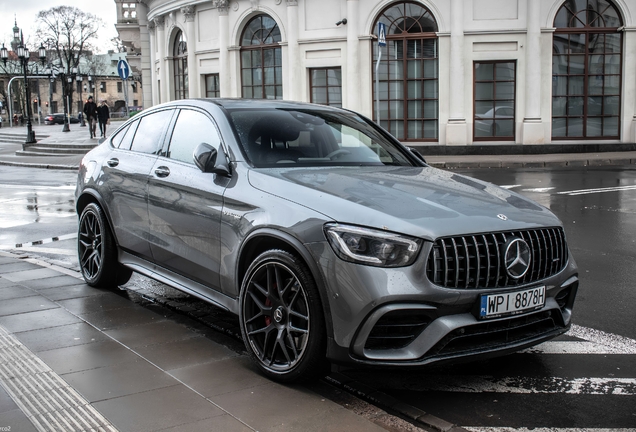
[(125, 173), (185, 204)]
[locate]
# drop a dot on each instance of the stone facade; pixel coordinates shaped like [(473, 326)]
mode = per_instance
[(436, 81)]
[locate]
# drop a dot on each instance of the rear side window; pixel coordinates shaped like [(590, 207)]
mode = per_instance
[(127, 138), (192, 128), (118, 138), (150, 131)]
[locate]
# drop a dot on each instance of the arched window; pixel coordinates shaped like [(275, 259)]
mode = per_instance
[(180, 62), (261, 59), (586, 71), (408, 73)]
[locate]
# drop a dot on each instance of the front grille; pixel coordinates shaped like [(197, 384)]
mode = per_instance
[(476, 261), (397, 329), (496, 334)]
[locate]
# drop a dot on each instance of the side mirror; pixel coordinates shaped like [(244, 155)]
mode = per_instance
[(417, 154), (210, 160)]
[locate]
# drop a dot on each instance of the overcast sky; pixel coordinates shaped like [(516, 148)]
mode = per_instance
[(26, 10)]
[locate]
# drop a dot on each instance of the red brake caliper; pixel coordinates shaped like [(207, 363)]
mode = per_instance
[(268, 320)]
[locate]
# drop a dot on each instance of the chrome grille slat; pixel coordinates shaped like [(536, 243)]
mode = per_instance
[(445, 263), (539, 253), (478, 261), (456, 262), (524, 235), (467, 265), (487, 258), (498, 257), (545, 248), (486, 269)]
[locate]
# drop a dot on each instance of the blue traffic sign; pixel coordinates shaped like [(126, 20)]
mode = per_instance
[(123, 69), (382, 34)]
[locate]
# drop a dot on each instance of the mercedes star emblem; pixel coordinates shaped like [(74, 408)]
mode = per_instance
[(517, 257)]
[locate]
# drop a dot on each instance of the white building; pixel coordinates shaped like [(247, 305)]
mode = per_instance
[(453, 72)]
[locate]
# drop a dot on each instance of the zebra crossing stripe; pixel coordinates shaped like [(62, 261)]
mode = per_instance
[(598, 190), (528, 385), (594, 342)]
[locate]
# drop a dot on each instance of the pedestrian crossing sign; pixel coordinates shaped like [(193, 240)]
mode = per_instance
[(381, 34)]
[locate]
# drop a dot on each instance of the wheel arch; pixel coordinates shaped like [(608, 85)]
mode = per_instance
[(266, 239), (89, 196)]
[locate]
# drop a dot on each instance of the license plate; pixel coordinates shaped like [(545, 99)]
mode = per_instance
[(511, 303)]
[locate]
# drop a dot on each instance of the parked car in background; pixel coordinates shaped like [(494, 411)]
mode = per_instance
[(58, 118), (326, 236)]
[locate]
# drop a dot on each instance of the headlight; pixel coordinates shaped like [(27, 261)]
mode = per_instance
[(372, 247)]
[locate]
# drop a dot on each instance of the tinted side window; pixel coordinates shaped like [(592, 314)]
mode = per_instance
[(192, 128), (150, 130), (117, 139), (127, 139)]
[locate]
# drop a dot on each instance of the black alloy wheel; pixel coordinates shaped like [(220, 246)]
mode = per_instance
[(97, 252), (281, 318)]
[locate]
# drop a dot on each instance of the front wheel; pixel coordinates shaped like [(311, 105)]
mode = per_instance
[(281, 318), (97, 252)]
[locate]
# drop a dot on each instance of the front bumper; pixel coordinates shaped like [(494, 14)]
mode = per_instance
[(398, 317)]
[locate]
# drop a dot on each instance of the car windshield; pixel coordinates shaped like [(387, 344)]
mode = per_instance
[(311, 137)]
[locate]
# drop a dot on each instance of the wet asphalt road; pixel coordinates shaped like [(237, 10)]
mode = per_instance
[(586, 379)]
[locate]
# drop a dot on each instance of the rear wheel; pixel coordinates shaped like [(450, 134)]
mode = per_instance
[(281, 318), (97, 251)]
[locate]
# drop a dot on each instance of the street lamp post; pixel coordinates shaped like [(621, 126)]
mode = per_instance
[(79, 80), (66, 127), (23, 55)]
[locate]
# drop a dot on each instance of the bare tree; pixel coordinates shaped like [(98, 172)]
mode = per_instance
[(118, 44), (68, 33)]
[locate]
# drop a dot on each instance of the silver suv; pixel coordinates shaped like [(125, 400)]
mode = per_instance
[(328, 238)]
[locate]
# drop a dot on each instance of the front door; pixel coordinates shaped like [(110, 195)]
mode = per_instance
[(185, 204)]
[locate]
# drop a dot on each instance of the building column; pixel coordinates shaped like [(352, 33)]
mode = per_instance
[(353, 56), (163, 87), (152, 28), (456, 129), (629, 64), (146, 31), (223, 7), (532, 128), (293, 53), (191, 38)]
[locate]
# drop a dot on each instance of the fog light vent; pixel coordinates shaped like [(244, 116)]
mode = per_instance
[(562, 297), (397, 329)]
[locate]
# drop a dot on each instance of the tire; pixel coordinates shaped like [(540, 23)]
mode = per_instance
[(97, 252), (283, 331)]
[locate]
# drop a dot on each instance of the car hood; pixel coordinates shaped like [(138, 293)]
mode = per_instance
[(421, 201)]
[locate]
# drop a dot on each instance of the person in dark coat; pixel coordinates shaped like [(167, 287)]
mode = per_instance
[(90, 111), (103, 116)]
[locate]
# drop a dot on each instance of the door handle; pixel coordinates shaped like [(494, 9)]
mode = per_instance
[(162, 171), (113, 162)]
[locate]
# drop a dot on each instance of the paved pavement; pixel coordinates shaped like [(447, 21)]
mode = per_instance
[(76, 358), (79, 135), (51, 135)]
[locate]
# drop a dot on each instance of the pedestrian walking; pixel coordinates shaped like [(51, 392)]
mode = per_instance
[(103, 115), (90, 111)]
